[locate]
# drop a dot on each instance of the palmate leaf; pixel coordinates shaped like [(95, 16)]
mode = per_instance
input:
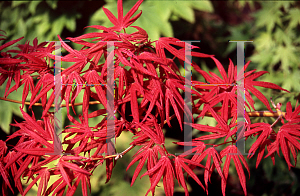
[(211, 153), (152, 130), (220, 90), (255, 129), (35, 131), (224, 89), (44, 175), (5, 177), (123, 22), (198, 149), (91, 77), (232, 152), (200, 154), (85, 184), (167, 42), (267, 143), (220, 130), (149, 153), (145, 153), (156, 13), (287, 139), (69, 171), (179, 164), (13, 168), (162, 168), (290, 115), (28, 82), (58, 187), (170, 99), (41, 89)]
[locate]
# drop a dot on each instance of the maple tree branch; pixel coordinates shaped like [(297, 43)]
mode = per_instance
[(40, 104), (54, 67), (116, 156), (250, 114)]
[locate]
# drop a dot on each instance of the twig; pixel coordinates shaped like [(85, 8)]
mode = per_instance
[(250, 114), (117, 156), (40, 104)]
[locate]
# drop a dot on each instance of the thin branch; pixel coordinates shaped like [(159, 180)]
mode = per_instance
[(40, 104), (250, 114), (14, 101), (116, 156), (54, 67)]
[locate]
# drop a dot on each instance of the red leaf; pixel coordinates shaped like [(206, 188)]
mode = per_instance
[(10, 43), (162, 168), (179, 164), (123, 22), (64, 174), (231, 152), (134, 104), (5, 176)]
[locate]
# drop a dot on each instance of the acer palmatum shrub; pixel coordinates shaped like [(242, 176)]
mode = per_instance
[(153, 86)]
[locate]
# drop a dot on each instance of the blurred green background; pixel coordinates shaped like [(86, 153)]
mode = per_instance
[(273, 26)]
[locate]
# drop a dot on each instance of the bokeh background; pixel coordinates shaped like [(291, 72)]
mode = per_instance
[(273, 26)]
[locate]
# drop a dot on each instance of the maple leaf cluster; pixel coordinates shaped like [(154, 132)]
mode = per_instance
[(151, 83)]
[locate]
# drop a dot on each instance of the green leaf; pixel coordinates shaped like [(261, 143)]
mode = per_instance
[(205, 6), (58, 25), (283, 4), (158, 8), (20, 29), (241, 32), (13, 15), (44, 25), (285, 54), (268, 16), (52, 4), (183, 10), (292, 81), (71, 24), (294, 16), (153, 25), (7, 108), (32, 6), (283, 37), (242, 4), (264, 42), (17, 3), (263, 59)]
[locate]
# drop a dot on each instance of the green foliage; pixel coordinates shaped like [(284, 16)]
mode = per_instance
[(7, 109), (274, 30), (277, 42), (42, 19)]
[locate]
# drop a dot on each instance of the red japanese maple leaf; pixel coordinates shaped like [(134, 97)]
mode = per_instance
[(232, 152), (162, 168), (288, 137), (123, 21), (225, 90)]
